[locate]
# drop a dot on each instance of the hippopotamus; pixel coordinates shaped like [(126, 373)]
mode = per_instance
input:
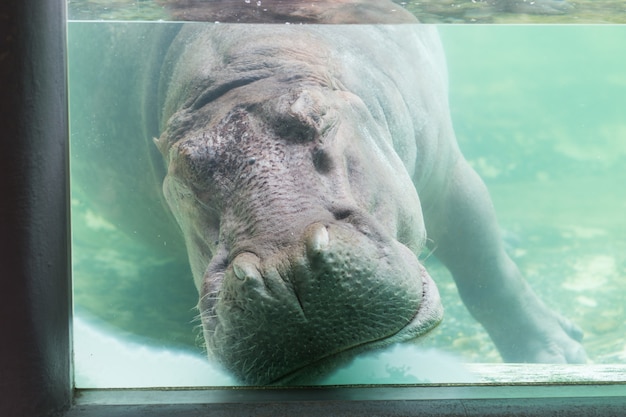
[(303, 169), (330, 11)]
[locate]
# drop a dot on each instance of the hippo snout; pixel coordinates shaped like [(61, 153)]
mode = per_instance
[(335, 293)]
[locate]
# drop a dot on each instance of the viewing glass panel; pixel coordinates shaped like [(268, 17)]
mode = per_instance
[(537, 114)]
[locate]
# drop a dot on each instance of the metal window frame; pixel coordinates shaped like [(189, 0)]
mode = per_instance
[(35, 282)]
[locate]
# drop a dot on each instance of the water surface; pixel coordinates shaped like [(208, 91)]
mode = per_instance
[(427, 11)]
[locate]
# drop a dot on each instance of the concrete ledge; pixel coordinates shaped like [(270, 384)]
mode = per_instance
[(476, 400)]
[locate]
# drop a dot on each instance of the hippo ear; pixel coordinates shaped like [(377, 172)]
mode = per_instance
[(158, 144), (163, 145)]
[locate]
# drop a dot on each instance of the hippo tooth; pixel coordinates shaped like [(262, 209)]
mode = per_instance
[(318, 241), (245, 270)]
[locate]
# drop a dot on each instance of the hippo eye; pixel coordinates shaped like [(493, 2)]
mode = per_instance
[(342, 213), (295, 129)]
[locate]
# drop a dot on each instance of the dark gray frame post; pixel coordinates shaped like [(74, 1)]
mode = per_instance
[(34, 237)]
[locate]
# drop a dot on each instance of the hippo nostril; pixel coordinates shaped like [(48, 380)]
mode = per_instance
[(322, 161), (245, 266), (342, 214), (317, 239)]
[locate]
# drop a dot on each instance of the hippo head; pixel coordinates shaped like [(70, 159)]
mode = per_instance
[(302, 227)]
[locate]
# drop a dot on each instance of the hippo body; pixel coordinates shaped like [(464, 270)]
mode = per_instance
[(307, 167)]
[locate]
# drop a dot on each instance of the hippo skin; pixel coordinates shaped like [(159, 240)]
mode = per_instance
[(307, 167)]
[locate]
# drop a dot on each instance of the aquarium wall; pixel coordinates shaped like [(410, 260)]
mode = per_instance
[(35, 306)]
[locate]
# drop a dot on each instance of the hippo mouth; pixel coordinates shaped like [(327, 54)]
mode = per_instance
[(293, 317), (428, 316)]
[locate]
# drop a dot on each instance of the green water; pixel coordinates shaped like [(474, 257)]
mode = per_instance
[(539, 113)]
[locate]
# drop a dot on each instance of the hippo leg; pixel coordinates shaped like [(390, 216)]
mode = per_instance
[(465, 237)]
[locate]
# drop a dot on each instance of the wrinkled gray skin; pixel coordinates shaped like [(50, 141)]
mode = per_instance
[(308, 167)]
